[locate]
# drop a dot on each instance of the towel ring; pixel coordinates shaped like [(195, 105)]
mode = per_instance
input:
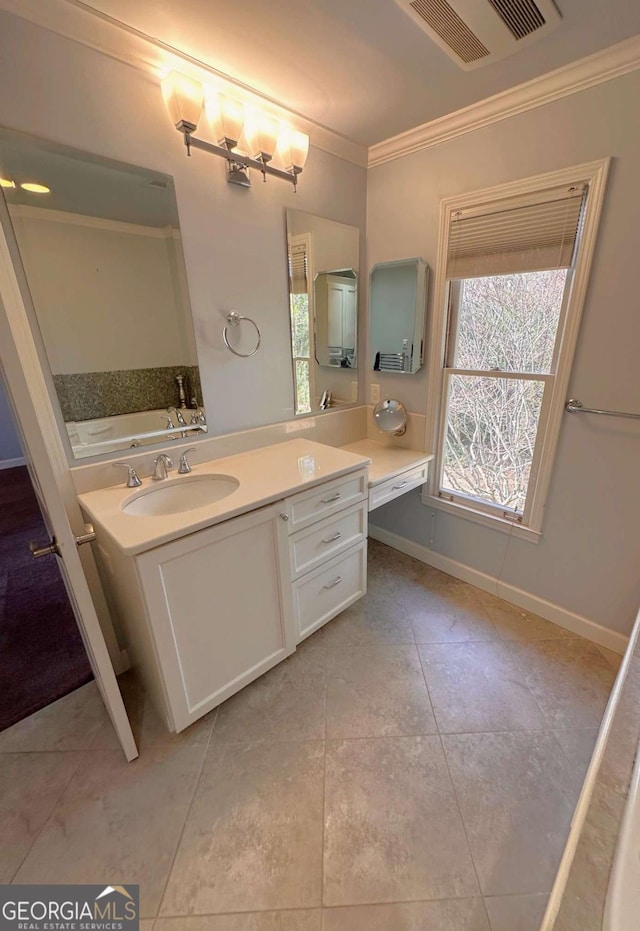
[(233, 319)]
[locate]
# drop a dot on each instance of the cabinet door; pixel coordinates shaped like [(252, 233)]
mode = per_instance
[(219, 605)]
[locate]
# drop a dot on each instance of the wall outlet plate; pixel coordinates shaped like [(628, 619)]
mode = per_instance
[(375, 394)]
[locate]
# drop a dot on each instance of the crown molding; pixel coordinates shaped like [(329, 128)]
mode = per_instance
[(79, 22), (613, 62)]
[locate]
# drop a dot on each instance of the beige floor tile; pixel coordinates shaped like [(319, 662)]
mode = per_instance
[(614, 659), (516, 912), (570, 679), (146, 924), (578, 744), (287, 703), (31, 784), (517, 798), (377, 692), (118, 819), (372, 620), (444, 915), (513, 623), (582, 905), (450, 613), (71, 723), (253, 839), (478, 687), (392, 827), (149, 729), (617, 764), (293, 920)]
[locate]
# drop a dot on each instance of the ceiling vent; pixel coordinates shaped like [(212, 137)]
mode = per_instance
[(479, 32)]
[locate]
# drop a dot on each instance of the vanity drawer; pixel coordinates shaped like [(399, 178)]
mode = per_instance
[(309, 506), (394, 487), (320, 595), (311, 547)]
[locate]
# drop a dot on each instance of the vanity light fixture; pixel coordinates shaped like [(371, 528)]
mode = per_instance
[(262, 136)]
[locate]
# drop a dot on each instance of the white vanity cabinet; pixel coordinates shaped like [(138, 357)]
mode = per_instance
[(327, 549), (207, 613), (211, 608)]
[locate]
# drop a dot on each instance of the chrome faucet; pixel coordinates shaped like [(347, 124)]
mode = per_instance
[(198, 416), (185, 466), (133, 479), (179, 416), (162, 465)]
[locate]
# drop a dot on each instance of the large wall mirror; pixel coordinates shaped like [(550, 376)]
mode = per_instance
[(323, 258), (100, 244)]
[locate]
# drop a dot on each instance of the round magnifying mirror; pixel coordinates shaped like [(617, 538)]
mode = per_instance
[(390, 416)]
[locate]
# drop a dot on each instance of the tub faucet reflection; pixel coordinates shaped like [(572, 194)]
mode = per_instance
[(179, 416)]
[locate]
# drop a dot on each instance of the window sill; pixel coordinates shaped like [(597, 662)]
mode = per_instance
[(480, 517)]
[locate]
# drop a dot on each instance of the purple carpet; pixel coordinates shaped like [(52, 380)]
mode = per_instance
[(41, 653)]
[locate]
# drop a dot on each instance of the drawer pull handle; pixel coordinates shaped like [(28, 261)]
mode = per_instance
[(332, 539), (401, 485), (331, 500), (333, 584)]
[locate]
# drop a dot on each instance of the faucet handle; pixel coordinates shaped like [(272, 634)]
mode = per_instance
[(184, 468), (133, 480)]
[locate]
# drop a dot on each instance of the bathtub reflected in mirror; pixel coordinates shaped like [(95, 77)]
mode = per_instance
[(102, 254)]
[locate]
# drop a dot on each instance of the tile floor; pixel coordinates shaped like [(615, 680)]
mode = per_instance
[(413, 767)]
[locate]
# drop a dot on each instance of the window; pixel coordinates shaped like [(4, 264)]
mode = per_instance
[(511, 280), (301, 325)]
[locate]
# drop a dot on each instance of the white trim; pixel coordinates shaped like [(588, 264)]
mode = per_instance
[(576, 623), (27, 212), (594, 174), (606, 65), (89, 27), (12, 463), (486, 518)]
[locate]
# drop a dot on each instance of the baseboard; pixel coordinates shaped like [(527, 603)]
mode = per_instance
[(12, 463), (576, 623)]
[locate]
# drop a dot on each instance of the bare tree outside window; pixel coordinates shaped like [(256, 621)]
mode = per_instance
[(301, 347), (501, 324)]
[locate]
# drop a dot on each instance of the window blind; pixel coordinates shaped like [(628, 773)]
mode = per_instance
[(298, 269), (504, 238)]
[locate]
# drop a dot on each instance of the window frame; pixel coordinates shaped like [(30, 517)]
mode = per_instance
[(529, 526)]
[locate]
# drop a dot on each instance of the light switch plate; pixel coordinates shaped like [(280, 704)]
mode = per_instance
[(375, 393)]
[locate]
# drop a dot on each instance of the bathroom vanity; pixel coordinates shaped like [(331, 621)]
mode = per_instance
[(217, 575)]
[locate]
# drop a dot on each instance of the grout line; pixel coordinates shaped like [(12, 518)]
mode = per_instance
[(464, 827), (186, 817), (83, 755)]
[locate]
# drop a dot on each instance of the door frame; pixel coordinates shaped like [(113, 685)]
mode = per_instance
[(36, 422)]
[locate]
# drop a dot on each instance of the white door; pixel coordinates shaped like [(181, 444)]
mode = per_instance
[(51, 476)]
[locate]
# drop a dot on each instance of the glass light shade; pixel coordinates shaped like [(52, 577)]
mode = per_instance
[(225, 116), (183, 98), (34, 187), (293, 148), (261, 134), (7, 182)]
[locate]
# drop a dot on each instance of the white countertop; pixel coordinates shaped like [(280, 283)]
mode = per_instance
[(265, 475), (387, 461)]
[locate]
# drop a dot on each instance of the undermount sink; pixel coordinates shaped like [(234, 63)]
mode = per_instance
[(178, 495)]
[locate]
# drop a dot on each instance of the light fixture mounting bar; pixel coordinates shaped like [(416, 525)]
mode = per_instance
[(235, 158)]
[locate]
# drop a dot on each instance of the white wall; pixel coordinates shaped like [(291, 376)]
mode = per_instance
[(106, 294), (588, 558), (234, 239)]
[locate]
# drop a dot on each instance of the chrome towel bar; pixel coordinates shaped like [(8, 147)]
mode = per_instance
[(573, 406)]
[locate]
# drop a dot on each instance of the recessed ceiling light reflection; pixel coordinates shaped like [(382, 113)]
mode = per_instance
[(35, 188), (6, 182)]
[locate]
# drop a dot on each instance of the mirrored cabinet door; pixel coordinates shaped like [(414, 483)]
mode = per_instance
[(397, 314)]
